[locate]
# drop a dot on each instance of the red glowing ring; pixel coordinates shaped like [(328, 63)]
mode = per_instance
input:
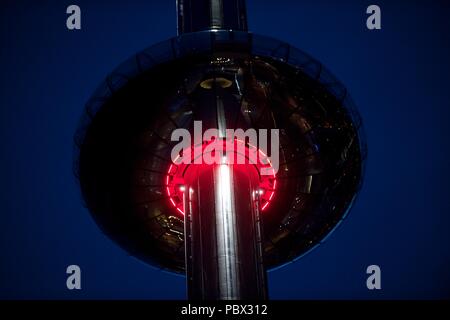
[(174, 178)]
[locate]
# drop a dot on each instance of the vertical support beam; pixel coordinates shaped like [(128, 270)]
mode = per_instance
[(228, 261), (225, 214), (223, 237)]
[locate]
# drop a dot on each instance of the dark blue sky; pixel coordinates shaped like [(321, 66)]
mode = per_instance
[(398, 77)]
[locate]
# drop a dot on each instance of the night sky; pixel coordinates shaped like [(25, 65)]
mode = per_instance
[(397, 76)]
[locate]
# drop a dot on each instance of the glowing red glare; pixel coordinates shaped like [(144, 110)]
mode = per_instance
[(174, 178)]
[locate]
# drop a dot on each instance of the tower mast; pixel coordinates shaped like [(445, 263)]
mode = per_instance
[(223, 236), (201, 15)]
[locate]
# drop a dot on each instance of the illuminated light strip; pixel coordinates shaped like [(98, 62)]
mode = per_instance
[(224, 192), (264, 206), (167, 184), (225, 221)]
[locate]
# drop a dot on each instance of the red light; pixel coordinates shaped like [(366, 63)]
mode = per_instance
[(175, 177)]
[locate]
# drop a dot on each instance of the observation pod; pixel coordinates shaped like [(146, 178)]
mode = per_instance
[(222, 224)]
